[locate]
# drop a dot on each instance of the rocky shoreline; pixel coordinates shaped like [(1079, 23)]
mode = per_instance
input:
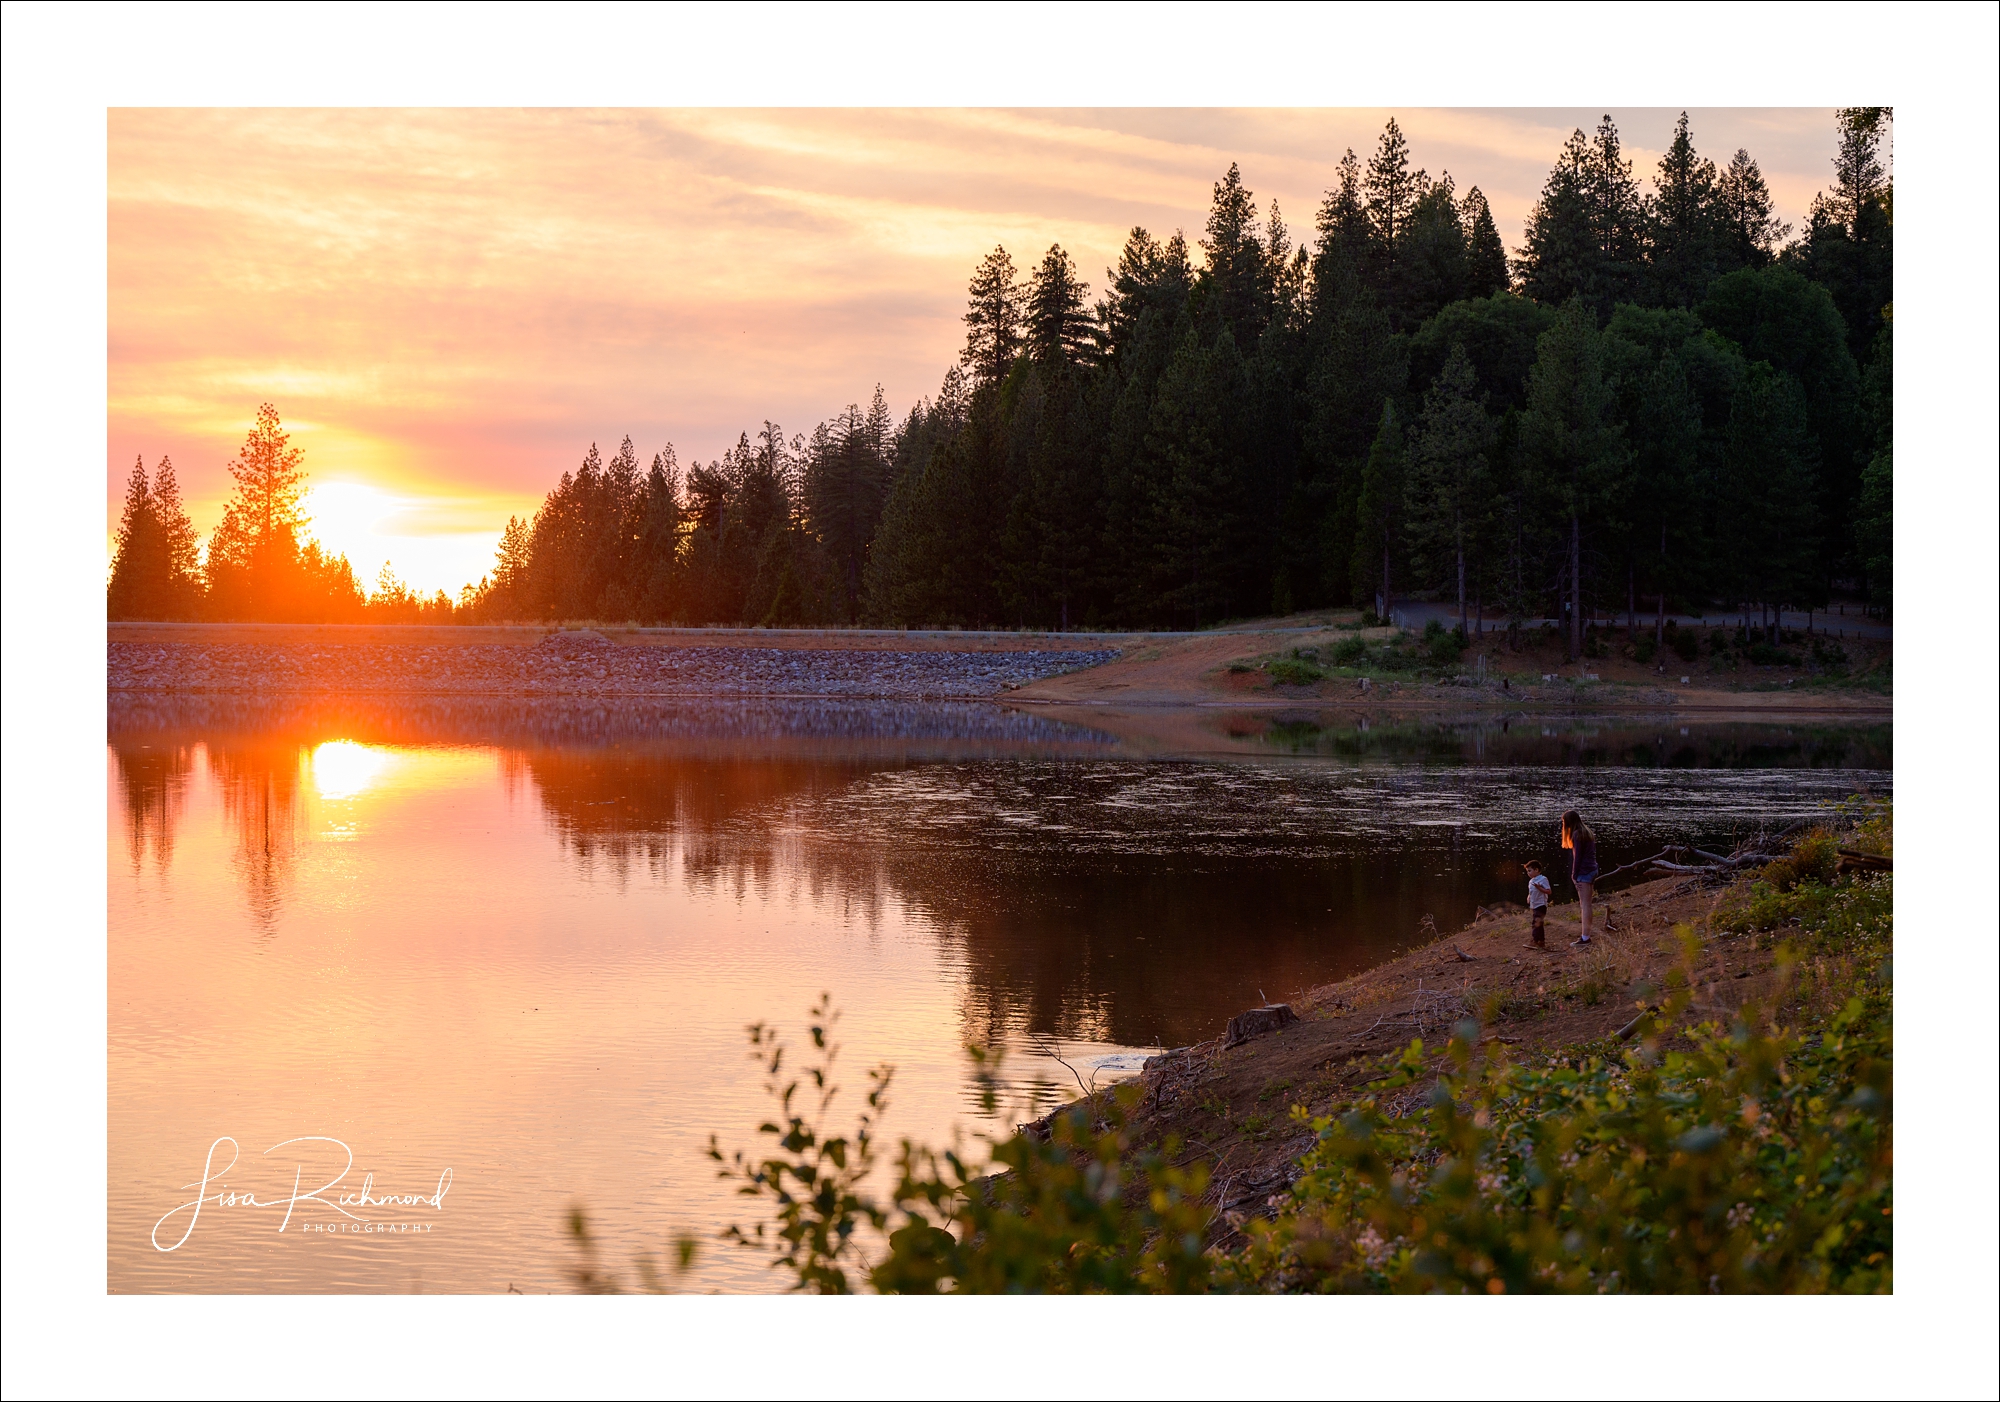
[(577, 663)]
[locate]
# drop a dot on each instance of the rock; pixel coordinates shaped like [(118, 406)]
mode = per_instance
[(1258, 1021)]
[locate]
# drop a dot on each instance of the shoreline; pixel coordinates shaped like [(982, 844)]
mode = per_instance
[(1232, 1105)]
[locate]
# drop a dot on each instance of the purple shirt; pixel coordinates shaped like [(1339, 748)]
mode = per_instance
[(1583, 859)]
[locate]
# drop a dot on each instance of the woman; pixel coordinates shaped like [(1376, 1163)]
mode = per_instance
[(1582, 844)]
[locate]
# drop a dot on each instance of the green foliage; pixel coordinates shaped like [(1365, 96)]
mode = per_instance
[(1294, 671), (1442, 646), (1081, 1210), (1685, 642), (1349, 651), (590, 1276), (1751, 1160)]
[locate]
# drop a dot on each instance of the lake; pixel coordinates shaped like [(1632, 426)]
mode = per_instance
[(511, 949)]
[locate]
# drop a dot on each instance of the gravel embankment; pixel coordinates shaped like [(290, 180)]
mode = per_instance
[(577, 664)]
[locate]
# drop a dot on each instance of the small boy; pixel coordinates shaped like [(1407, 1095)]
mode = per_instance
[(1538, 903)]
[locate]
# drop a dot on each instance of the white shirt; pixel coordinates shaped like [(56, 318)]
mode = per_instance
[(1538, 891)]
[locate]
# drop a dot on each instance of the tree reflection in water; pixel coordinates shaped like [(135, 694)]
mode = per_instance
[(1076, 892)]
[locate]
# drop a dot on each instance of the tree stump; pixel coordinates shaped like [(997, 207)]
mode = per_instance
[(1257, 1022)]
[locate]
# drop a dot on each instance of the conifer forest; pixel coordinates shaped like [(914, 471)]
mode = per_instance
[(1663, 400)]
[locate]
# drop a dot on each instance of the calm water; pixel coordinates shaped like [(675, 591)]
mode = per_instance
[(521, 943)]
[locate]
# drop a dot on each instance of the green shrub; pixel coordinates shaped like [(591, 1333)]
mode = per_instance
[(1685, 642), (1644, 647), (1754, 1161), (1444, 646), (1349, 651), (1292, 671), (1829, 656), (1081, 1211)]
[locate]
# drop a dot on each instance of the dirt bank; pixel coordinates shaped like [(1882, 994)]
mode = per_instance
[(1232, 1105)]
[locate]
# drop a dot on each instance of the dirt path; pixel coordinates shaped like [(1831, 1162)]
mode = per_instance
[(1195, 670)]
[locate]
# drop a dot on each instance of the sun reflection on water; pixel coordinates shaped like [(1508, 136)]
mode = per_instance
[(343, 769)]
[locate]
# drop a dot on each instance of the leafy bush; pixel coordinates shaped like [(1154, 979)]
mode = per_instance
[(1829, 656), (1349, 651), (1443, 646), (1643, 647), (1762, 654), (1294, 671), (1685, 642), (1755, 1161), (1081, 1211)]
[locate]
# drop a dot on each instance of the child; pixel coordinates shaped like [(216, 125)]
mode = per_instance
[(1538, 902)]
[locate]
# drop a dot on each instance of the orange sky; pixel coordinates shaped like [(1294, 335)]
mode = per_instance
[(449, 306)]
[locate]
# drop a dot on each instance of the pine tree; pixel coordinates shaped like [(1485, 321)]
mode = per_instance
[(1434, 262), (1059, 330), (1200, 527), (1773, 492), (1485, 255), (659, 539), (1448, 476), (506, 599), (1686, 223), (139, 557), (1379, 510), (254, 566), (1751, 231), (1393, 193), (846, 485), (1570, 435), (1237, 279), (180, 546), (1586, 234), (1849, 243), (992, 319), (1344, 261)]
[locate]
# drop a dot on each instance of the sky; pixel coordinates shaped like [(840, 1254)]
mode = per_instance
[(448, 307)]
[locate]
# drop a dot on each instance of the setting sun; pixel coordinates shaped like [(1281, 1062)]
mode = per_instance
[(421, 537)]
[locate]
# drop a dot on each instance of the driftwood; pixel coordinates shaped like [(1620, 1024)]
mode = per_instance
[(1625, 1032), (1673, 861), (1850, 860)]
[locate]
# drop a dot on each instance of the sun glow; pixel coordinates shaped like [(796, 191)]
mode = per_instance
[(421, 537), (342, 769)]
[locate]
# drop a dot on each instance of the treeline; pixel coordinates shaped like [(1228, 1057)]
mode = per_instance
[(1662, 398), (260, 565)]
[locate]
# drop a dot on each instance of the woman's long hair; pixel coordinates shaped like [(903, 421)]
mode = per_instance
[(1573, 828)]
